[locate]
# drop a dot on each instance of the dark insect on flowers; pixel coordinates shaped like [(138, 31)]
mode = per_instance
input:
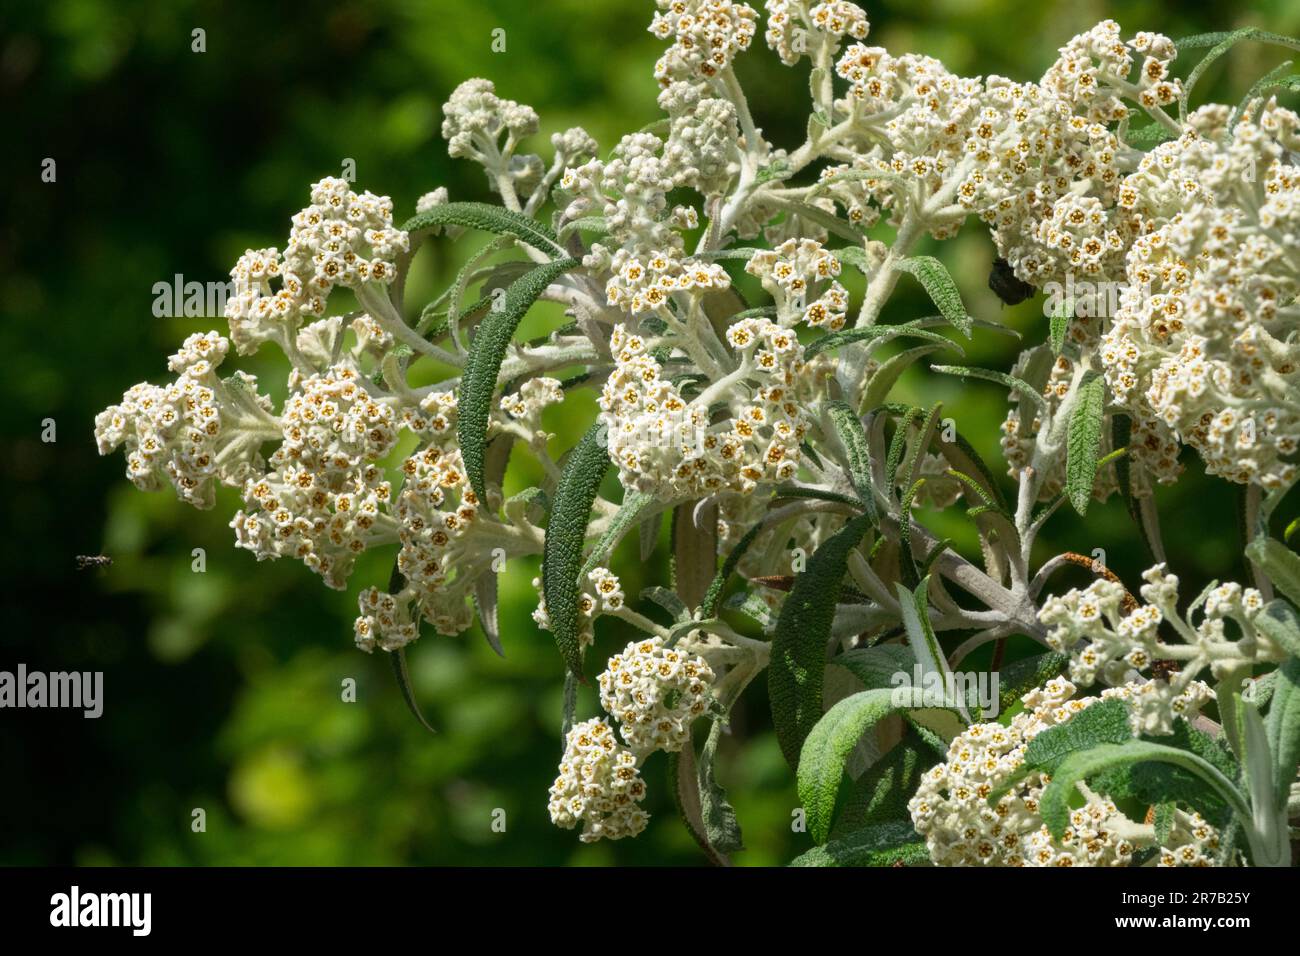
[(1005, 285)]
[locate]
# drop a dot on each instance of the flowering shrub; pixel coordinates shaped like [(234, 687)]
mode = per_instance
[(762, 425)]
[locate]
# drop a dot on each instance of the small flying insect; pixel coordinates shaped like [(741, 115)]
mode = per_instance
[(1006, 286), (87, 561)]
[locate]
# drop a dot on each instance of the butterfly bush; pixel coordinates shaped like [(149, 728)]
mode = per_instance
[(732, 339)]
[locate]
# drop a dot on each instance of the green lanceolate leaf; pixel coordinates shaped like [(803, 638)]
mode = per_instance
[(1077, 767), (803, 630), (1020, 677), (1278, 78), (684, 786), (1280, 563), (877, 335), (849, 429), (1280, 623), (1059, 324), (479, 383), (881, 844), (785, 492), (1083, 440), (403, 675), (565, 532), (827, 748), (914, 609), (720, 823), (709, 606), (881, 794), (1021, 387), (1102, 723), (1283, 726), (877, 666), (488, 218), (884, 378), (1164, 819), (1220, 43), (934, 277)]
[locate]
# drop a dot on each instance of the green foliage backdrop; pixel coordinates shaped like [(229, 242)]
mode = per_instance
[(223, 688)]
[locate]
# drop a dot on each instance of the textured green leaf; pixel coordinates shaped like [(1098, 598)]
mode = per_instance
[(827, 748), (1019, 386), (877, 335), (1283, 726), (1101, 723), (1020, 677), (1083, 440), (684, 787), (881, 844), (1279, 622), (914, 608), (478, 386), (1220, 43), (584, 224), (1277, 78), (403, 675), (1059, 324), (803, 630), (876, 666), (709, 606), (880, 795), (785, 492), (720, 823), (1151, 783), (1077, 767), (884, 378), (854, 439), (488, 218), (669, 601), (565, 533), (1280, 563), (1164, 820), (934, 277), (1152, 134)]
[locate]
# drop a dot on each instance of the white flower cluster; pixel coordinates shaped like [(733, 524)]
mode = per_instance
[(668, 446), (644, 285), (323, 496), (340, 239), (706, 35), (631, 192), (605, 596), (703, 138), (793, 26), (1203, 343), (655, 693), (800, 275), (1111, 638), (441, 530), (531, 398), (1092, 72), (475, 119), (599, 785), (951, 806), (193, 432)]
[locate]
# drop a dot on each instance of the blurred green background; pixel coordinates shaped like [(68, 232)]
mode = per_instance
[(223, 688)]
